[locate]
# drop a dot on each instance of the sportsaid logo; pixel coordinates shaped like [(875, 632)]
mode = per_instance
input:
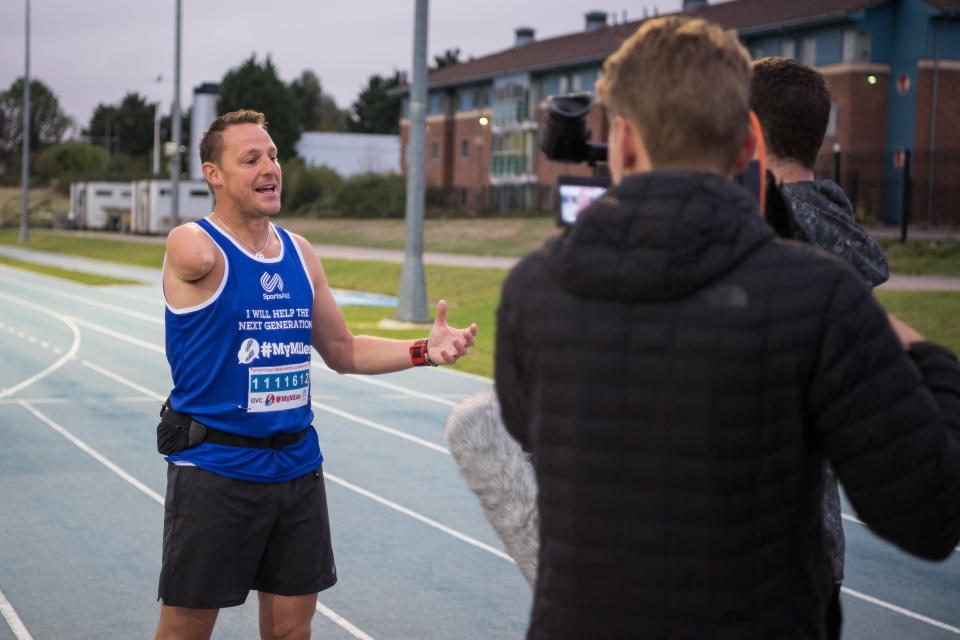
[(271, 283)]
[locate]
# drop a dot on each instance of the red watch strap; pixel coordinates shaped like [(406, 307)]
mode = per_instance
[(418, 353)]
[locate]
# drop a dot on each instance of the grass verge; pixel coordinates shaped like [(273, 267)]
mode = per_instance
[(140, 254), (506, 237), (65, 274), (472, 296), (919, 257), (932, 313)]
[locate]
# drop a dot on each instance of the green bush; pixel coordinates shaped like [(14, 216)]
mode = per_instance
[(309, 190), (372, 195), (69, 162)]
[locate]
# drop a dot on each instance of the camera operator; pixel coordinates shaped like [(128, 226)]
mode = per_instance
[(680, 376), (792, 103)]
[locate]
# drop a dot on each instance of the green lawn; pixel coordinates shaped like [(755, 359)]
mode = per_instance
[(933, 313), (919, 257), (140, 254)]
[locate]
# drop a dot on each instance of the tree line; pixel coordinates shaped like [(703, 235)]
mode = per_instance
[(117, 142)]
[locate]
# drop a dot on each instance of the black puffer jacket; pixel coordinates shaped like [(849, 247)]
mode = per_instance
[(680, 375)]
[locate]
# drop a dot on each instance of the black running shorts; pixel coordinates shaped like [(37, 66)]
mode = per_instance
[(223, 537)]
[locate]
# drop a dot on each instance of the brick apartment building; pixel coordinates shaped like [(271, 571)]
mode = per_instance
[(893, 68)]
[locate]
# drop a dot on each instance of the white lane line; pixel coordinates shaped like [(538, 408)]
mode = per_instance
[(389, 385), (150, 493), (93, 453), (343, 622), (462, 374), (416, 516), (850, 518), (901, 610), (112, 400), (380, 427), (155, 318), (56, 365), (122, 380), (119, 336), (19, 631)]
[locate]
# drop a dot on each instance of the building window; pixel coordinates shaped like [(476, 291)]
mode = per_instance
[(512, 153), (788, 48), (809, 52), (435, 104), (863, 51), (434, 150), (756, 52), (832, 122), (464, 148), (856, 46), (481, 97), (563, 85), (511, 103)]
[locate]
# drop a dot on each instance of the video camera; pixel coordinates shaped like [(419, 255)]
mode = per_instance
[(566, 138)]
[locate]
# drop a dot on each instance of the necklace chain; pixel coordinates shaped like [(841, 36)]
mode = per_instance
[(259, 253)]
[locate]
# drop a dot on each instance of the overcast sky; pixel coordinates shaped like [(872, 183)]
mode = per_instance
[(94, 51)]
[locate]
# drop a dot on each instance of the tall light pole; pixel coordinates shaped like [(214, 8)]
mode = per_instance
[(412, 298), (25, 169), (175, 116), (156, 131)]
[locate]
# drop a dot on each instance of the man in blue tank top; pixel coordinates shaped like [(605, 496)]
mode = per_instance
[(246, 301)]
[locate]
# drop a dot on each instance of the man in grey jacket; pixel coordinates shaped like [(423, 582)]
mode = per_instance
[(792, 103)]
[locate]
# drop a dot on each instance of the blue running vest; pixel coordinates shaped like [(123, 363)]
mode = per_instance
[(241, 362)]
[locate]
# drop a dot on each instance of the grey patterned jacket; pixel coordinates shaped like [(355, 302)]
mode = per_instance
[(820, 214)]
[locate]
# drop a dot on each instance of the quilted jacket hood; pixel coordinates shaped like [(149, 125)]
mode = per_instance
[(658, 236)]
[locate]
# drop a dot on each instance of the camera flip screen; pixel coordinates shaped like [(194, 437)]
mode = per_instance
[(574, 194)]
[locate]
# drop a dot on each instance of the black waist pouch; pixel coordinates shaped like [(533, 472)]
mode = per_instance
[(177, 431)]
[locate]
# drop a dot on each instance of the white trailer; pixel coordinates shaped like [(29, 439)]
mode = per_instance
[(152, 203), (101, 205)]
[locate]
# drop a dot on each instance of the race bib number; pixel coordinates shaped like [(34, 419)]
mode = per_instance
[(278, 388)]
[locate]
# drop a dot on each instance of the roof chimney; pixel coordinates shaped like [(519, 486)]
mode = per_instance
[(693, 5), (524, 36), (595, 20)]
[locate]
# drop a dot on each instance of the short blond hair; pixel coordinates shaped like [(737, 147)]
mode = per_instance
[(685, 83)]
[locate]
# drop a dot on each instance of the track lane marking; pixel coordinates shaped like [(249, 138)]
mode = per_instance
[(342, 622), (119, 336), (88, 301), (380, 427), (71, 352), (387, 385), (416, 516), (13, 620), (118, 378), (93, 453), (901, 610)]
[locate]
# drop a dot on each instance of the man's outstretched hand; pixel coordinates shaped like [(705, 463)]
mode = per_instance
[(445, 344)]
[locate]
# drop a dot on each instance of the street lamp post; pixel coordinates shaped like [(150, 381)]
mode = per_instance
[(25, 169), (175, 116), (412, 296)]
